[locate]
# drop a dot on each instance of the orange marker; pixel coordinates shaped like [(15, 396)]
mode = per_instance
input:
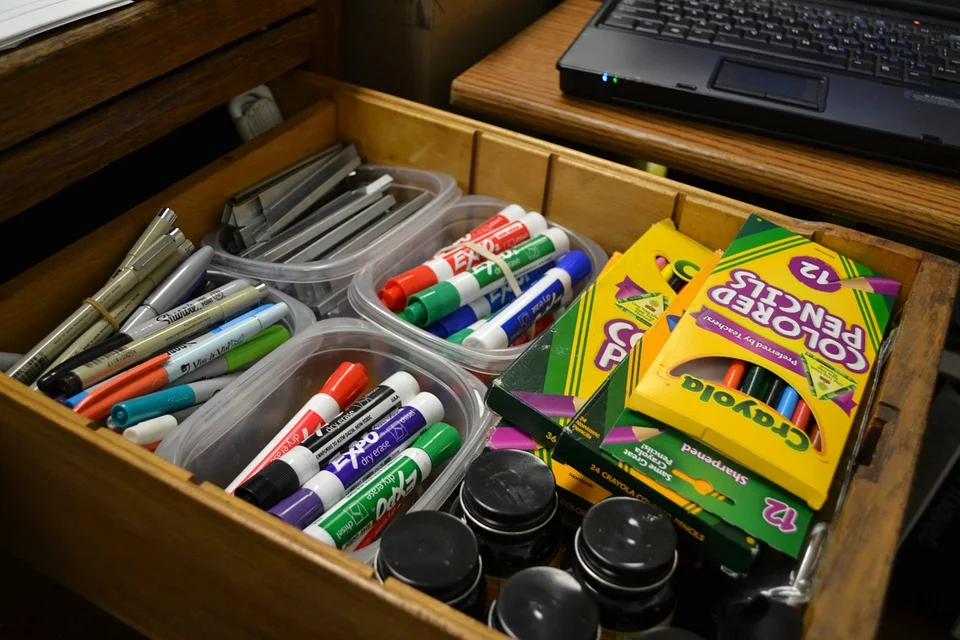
[(141, 380), (734, 375)]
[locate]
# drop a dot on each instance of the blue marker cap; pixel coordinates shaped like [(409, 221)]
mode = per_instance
[(577, 264)]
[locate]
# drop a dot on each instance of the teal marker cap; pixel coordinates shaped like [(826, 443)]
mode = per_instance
[(440, 442), (256, 347), (130, 412), (432, 304)]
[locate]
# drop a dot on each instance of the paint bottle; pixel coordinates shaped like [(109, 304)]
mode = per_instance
[(437, 554), (509, 499), (544, 602), (625, 553)]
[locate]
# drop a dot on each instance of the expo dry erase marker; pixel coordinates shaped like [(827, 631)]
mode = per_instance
[(102, 329), (156, 429), (502, 218), (384, 489), (172, 289), (180, 360), (532, 304), (460, 336), (444, 298), (162, 223), (130, 412), (241, 355), (288, 473), (483, 306), (458, 259), (343, 386), (70, 382), (321, 492), (149, 328), (539, 327), (35, 361)]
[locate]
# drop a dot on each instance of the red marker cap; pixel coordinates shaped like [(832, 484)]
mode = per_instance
[(394, 295), (346, 383)]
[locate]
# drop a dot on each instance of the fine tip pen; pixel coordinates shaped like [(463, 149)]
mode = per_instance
[(241, 355), (130, 412), (171, 289), (159, 225)]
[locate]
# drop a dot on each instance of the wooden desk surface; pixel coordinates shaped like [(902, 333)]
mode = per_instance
[(520, 85)]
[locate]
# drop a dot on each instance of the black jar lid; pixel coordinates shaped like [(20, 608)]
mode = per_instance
[(627, 542), (543, 603), (509, 491), (432, 552)]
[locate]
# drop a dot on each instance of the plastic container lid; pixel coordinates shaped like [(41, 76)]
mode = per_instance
[(450, 224), (627, 542), (543, 603), (432, 552), (509, 491)]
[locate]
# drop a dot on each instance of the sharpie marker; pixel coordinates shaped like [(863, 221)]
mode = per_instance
[(458, 259), (156, 429), (502, 218), (180, 360), (327, 488), (35, 361), (67, 383), (354, 515), (240, 356), (483, 306), (126, 414), (533, 304), (444, 298), (173, 289), (162, 321), (343, 386), (288, 473)]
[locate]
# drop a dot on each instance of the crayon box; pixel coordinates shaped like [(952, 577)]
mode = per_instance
[(801, 313), (545, 387)]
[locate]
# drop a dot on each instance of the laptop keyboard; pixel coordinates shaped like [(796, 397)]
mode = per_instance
[(891, 49)]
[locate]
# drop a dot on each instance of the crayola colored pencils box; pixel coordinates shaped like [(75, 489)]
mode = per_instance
[(545, 387), (805, 325)]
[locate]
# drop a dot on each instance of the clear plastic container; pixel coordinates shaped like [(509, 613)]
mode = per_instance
[(452, 223), (313, 283), (218, 441)]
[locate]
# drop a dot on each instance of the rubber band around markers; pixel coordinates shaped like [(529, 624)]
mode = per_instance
[(483, 252), (103, 312)]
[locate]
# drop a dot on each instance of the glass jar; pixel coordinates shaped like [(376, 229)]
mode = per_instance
[(625, 553), (509, 499), (437, 554), (544, 603)]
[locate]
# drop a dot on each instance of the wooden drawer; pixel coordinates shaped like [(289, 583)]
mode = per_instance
[(173, 558)]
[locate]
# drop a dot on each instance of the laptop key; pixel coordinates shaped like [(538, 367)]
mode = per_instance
[(619, 20), (890, 71), (808, 45), (740, 44), (944, 73), (953, 63), (675, 31), (915, 77), (754, 34), (648, 26), (700, 35), (859, 65), (783, 41)]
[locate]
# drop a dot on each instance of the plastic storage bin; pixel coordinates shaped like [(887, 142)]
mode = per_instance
[(452, 223), (218, 441), (314, 282)]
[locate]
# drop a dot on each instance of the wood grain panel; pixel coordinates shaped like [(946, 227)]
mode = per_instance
[(40, 295), (510, 170), (57, 76), (629, 204), (519, 84), (38, 168)]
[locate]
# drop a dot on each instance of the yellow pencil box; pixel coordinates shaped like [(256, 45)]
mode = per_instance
[(798, 316)]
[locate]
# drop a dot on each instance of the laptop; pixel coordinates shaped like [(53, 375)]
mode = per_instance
[(878, 78)]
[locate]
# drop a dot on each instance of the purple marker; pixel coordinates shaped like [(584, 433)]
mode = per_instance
[(364, 455)]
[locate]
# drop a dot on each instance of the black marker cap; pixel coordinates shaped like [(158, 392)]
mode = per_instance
[(56, 384), (509, 490), (543, 603), (432, 552), (272, 484), (627, 542)]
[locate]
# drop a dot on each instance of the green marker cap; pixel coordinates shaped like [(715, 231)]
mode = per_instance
[(459, 336), (439, 442), (432, 304), (257, 346)]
